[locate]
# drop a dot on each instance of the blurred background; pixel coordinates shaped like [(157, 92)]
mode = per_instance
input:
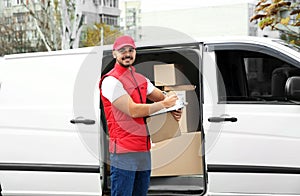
[(46, 25)]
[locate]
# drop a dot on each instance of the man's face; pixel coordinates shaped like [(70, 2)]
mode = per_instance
[(125, 56)]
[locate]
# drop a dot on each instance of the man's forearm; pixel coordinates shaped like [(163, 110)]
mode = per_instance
[(142, 110)]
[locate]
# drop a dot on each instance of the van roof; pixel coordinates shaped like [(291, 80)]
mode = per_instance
[(86, 50), (171, 41), (208, 40)]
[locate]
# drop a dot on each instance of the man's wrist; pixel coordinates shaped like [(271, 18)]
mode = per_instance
[(163, 104)]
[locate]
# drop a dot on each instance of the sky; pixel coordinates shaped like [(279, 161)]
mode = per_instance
[(158, 5)]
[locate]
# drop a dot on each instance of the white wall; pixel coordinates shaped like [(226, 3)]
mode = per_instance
[(202, 21)]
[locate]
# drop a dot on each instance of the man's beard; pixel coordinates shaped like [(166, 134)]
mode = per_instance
[(124, 58)]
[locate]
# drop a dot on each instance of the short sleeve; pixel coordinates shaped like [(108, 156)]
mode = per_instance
[(150, 87), (112, 88)]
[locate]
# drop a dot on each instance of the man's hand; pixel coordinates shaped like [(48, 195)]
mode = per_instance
[(169, 101), (177, 114)]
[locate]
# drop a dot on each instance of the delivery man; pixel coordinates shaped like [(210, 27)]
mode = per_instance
[(123, 93)]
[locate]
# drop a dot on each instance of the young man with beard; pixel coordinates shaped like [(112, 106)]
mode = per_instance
[(123, 94)]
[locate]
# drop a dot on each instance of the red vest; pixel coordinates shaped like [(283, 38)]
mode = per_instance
[(126, 134)]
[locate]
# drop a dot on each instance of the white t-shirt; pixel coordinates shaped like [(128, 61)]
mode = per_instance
[(112, 88)]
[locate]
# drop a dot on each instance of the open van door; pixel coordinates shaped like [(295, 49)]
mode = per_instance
[(178, 164)]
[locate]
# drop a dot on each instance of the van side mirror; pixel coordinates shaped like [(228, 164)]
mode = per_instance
[(292, 88)]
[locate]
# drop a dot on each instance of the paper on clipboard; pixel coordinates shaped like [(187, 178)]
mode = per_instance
[(178, 105)]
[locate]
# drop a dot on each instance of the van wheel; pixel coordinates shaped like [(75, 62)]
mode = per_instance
[(0, 190)]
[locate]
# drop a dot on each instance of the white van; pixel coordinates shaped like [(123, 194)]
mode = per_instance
[(239, 131)]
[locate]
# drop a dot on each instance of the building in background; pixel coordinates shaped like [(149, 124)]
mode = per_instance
[(18, 32), (130, 18), (101, 11), (1, 7), (219, 20)]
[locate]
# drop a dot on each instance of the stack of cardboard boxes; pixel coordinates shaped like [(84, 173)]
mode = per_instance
[(180, 153)]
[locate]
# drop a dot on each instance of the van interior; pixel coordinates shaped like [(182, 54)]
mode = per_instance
[(178, 162)]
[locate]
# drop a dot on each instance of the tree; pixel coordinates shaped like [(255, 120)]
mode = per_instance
[(280, 15), (59, 22), (93, 35), (72, 22), (6, 44), (46, 21), (16, 34)]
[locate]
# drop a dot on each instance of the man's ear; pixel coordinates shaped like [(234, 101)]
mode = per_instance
[(114, 54)]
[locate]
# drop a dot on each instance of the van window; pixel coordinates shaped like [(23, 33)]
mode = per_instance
[(252, 76)]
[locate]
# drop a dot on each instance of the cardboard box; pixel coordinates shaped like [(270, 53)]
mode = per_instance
[(184, 87), (190, 118), (162, 127), (178, 156), (168, 75)]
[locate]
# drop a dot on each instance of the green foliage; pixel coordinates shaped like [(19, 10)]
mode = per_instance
[(93, 35), (279, 15)]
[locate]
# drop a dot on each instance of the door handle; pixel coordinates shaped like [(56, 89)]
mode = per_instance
[(82, 120), (222, 119)]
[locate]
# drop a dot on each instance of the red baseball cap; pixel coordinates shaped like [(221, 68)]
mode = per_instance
[(122, 41)]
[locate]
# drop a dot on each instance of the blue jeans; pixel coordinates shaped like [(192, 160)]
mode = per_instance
[(130, 173)]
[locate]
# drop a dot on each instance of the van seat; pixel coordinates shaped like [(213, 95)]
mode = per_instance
[(279, 78)]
